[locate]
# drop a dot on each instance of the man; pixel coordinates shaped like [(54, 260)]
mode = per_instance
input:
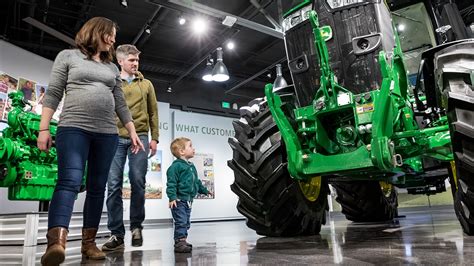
[(141, 100)]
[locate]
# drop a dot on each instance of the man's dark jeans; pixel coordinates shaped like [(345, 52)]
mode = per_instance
[(138, 164), (75, 146), (181, 216)]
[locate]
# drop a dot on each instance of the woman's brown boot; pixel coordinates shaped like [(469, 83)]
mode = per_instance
[(55, 252), (89, 248)]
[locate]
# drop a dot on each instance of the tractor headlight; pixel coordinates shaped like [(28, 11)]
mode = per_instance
[(340, 3)]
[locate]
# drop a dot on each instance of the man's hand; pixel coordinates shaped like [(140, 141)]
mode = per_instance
[(172, 204), (153, 146)]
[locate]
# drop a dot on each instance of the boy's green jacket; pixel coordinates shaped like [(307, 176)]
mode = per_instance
[(183, 182)]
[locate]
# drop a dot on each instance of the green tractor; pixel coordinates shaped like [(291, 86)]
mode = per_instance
[(382, 97)]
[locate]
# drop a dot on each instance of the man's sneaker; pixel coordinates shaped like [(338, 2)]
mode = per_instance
[(114, 243), (137, 239), (180, 246)]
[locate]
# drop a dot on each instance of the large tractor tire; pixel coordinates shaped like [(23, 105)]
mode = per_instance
[(272, 201), (367, 201), (455, 76)]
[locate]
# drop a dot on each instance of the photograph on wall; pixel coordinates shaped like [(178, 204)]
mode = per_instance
[(154, 183), (3, 103), (28, 88), (59, 109), (40, 91), (204, 164), (4, 80), (6, 109), (7, 83)]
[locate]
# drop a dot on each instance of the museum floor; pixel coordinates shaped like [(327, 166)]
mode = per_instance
[(425, 236)]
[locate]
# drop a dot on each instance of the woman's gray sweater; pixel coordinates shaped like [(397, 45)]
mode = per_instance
[(93, 93)]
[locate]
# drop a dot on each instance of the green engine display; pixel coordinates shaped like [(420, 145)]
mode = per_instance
[(29, 173)]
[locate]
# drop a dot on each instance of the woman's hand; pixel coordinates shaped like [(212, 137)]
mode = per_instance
[(172, 204), (44, 140), (137, 144)]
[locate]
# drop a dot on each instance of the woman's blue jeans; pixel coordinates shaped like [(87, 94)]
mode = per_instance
[(75, 147)]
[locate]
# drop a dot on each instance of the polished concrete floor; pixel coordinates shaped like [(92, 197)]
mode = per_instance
[(424, 236)]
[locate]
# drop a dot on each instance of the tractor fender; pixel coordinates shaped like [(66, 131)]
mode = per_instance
[(427, 70)]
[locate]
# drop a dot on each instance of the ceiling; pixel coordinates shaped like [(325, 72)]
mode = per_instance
[(172, 55)]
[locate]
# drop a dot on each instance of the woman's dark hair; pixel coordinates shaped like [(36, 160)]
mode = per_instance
[(92, 33)]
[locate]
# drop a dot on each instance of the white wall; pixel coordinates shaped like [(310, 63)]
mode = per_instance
[(21, 63), (199, 128)]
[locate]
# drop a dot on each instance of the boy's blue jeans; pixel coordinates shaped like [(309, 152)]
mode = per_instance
[(75, 146), (181, 216), (138, 164)]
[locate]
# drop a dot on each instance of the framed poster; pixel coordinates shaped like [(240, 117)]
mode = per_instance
[(7, 84), (154, 183), (204, 164), (40, 91), (28, 88)]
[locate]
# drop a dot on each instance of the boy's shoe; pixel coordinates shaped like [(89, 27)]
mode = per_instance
[(137, 239), (181, 246), (114, 243), (184, 239), (188, 244)]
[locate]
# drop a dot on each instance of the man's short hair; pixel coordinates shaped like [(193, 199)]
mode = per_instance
[(124, 50), (178, 144)]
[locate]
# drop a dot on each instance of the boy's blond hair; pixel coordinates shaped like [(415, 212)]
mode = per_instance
[(178, 144)]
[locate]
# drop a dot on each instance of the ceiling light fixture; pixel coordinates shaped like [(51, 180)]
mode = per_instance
[(181, 20), (280, 81), (229, 21), (230, 45), (401, 27), (199, 26), (169, 88), (148, 29), (207, 74), (124, 3), (220, 73)]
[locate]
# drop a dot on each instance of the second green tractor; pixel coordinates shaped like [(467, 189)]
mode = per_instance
[(382, 97)]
